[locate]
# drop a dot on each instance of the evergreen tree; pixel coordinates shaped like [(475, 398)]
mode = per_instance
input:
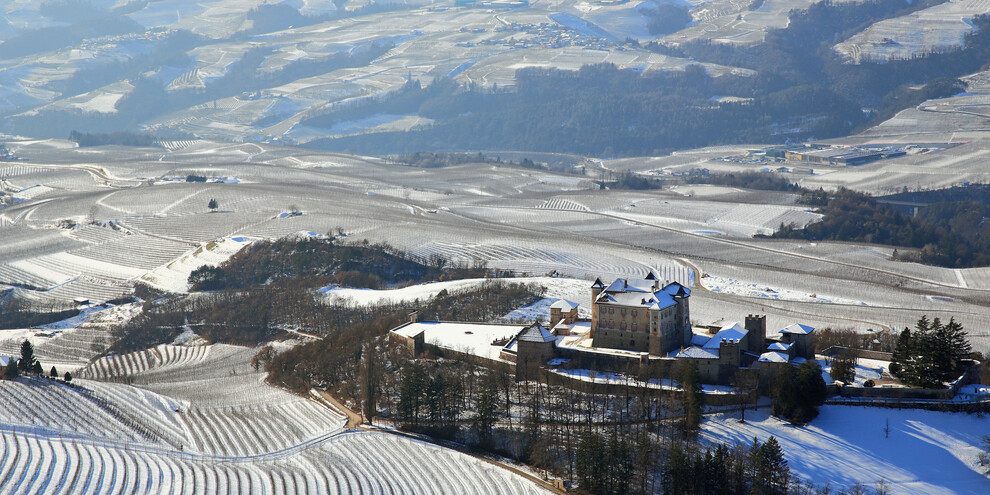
[(799, 391), (843, 368), (902, 353), (771, 474), (53, 373), (213, 205), (68, 377), (674, 478), (590, 465), (692, 398), (618, 462), (37, 369), (487, 410), (933, 354), (26, 364), (12, 371), (411, 391)]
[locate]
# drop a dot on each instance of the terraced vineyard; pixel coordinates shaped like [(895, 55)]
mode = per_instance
[(106, 437), (341, 463)]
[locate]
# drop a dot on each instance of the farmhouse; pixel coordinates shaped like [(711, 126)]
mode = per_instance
[(633, 321)]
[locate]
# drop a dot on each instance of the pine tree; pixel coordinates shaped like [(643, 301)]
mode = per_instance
[(37, 369), (900, 359), (692, 398), (771, 473), (411, 391), (67, 377), (957, 341), (26, 364), (12, 371), (843, 368), (487, 410), (53, 373), (798, 392)]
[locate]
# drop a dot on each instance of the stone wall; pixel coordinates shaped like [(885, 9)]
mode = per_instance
[(837, 350)]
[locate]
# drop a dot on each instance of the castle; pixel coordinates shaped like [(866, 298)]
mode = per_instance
[(639, 315), (637, 320)]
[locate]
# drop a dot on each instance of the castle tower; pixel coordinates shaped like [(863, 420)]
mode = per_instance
[(757, 327), (596, 290)]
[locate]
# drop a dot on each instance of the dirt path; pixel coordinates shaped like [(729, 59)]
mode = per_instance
[(354, 419)]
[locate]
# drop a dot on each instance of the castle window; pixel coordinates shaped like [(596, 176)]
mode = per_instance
[(611, 311), (634, 325), (623, 311), (634, 313), (611, 323), (632, 343), (622, 325)]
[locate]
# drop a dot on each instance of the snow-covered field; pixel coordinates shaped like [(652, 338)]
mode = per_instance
[(944, 26), (199, 419), (532, 222), (924, 453)]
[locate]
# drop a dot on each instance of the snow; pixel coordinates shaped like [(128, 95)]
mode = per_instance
[(174, 276), (596, 376), (729, 285), (732, 332), (472, 338), (926, 452), (556, 288)]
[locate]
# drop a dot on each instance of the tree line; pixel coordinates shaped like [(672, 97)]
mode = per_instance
[(319, 261), (951, 234)]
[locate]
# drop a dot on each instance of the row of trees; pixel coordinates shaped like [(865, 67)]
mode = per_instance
[(934, 353), (725, 470), (28, 364), (952, 234)]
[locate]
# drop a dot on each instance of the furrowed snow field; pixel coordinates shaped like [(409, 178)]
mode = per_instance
[(925, 453), (338, 463), (199, 419)]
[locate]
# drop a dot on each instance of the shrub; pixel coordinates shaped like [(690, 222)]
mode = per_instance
[(894, 368), (868, 383)]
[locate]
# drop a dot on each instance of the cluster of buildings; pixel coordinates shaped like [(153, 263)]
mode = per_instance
[(544, 35), (631, 321)]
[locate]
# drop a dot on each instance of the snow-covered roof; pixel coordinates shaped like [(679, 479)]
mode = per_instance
[(699, 340), (735, 331), (6, 360), (779, 346), (626, 285), (578, 327), (774, 357), (474, 338), (676, 289), (698, 353), (564, 305), (536, 333), (798, 329)]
